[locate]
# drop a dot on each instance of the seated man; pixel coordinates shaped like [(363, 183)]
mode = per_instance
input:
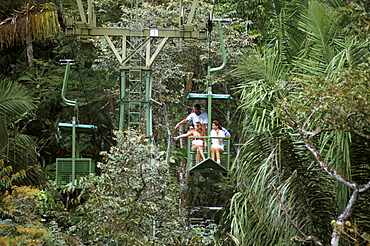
[(197, 115)]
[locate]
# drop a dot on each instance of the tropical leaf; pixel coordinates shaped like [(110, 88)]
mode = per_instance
[(14, 100), (351, 54), (274, 175), (259, 95), (40, 19), (17, 150), (20, 155), (319, 24)]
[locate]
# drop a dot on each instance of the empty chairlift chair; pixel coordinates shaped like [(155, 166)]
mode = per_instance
[(69, 170)]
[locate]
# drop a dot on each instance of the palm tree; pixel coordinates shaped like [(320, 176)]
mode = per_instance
[(283, 193), (16, 149), (34, 23)]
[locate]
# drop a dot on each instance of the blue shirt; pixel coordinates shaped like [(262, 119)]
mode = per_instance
[(227, 133)]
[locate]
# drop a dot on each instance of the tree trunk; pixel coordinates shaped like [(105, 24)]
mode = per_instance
[(339, 224), (3, 134), (29, 45)]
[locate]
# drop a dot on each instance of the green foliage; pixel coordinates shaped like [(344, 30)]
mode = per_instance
[(14, 99), (134, 200), (355, 18), (16, 148), (341, 100), (21, 211), (313, 79), (285, 184), (257, 14)]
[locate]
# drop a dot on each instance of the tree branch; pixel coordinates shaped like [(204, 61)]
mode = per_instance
[(338, 227), (361, 134), (315, 152), (305, 238), (339, 177)]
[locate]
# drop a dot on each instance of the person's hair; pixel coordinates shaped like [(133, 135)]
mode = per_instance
[(200, 129), (217, 124), (197, 106)]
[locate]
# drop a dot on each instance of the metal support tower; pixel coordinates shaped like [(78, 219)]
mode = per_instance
[(136, 54), (135, 108)]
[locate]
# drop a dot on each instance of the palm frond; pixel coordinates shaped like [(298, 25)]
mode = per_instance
[(14, 100), (271, 164), (319, 24), (18, 150), (351, 54), (290, 36), (40, 20), (20, 155), (258, 95)]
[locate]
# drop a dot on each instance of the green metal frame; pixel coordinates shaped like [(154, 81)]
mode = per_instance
[(66, 166), (135, 108), (209, 165), (136, 56)]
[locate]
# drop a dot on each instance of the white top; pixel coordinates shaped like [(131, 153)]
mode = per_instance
[(202, 118), (216, 141)]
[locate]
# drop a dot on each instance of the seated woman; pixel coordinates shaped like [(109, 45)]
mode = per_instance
[(217, 145), (197, 143)]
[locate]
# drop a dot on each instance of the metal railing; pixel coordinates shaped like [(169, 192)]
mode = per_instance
[(225, 155)]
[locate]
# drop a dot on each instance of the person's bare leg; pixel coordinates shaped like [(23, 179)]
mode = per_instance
[(200, 149), (213, 153), (217, 154), (197, 156)]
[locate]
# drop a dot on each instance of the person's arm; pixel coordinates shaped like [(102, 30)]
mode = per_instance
[(227, 133), (183, 135), (180, 123), (221, 133)]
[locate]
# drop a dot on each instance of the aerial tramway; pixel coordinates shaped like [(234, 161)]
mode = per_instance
[(208, 164), (136, 54)]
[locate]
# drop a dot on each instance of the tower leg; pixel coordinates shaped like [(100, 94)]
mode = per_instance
[(135, 108)]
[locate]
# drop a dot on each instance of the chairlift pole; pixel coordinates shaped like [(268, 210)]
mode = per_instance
[(211, 70), (66, 167), (74, 119)]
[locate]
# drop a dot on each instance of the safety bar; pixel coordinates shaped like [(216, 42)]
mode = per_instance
[(225, 155)]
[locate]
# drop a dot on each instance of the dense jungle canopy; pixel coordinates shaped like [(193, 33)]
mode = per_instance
[(298, 72)]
